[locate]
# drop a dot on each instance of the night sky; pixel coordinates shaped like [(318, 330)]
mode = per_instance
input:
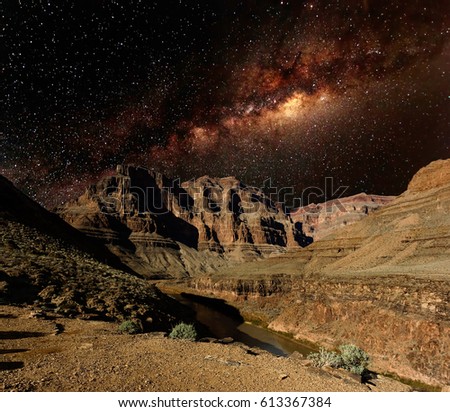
[(290, 90)]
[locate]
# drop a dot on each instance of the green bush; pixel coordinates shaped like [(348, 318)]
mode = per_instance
[(183, 331), (350, 358), (131, 327), (354, 359)]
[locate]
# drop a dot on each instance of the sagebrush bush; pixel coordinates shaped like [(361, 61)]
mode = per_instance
[(350, 358), (131, 327), (183, 331), (354, 359)]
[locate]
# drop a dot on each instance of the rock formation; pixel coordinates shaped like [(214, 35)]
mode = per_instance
[(229, 214), (161, 228), (15, 206), (382, 283), (319, 220)]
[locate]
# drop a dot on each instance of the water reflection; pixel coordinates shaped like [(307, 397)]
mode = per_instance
[(222, 325)]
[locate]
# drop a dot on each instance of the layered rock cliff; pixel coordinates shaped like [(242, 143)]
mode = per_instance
[(227, 214), (382, 283), (161, 228), (319, 220)]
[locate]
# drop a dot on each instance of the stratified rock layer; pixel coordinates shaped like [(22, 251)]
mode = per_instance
[(227, 213), (161, 228)]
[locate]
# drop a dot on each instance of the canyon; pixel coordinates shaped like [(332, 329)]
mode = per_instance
[(366, 269), (164, 229)]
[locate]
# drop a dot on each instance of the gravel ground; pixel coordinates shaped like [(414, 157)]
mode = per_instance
[(63, 354)]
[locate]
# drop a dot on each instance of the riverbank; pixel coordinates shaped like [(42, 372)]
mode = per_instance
[(221, 320), (262, 310), (76, 355)]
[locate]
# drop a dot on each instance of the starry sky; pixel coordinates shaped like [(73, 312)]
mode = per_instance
[(294, 91)]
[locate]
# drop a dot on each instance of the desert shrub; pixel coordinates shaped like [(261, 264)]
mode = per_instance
[(354, 359), (183, 331), (325, 358), (131, 327), (350, 358)]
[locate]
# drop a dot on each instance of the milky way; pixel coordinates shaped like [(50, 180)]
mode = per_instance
[(294, 91)]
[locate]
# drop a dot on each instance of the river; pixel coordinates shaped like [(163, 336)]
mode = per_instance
[(224, 321)]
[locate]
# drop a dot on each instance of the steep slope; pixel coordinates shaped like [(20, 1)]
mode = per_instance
[(410, 236), (42, 263), (382, 283), (162, 228), (15, 206)]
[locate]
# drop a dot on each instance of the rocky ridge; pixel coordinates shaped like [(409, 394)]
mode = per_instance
[(163, 229)]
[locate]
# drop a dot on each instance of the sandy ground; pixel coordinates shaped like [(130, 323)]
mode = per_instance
[(77, 355)]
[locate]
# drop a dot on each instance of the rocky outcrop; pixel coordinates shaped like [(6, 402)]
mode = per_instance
[(15, 206), (382, 283), (161, 228), (319, 220)]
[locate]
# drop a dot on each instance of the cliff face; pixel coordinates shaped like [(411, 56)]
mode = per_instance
[(382, 283), (228, 213), (161, 228), (408, 236), (320, 220), (132, 215)]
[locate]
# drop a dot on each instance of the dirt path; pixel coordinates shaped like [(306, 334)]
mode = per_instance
[(76, 355)]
